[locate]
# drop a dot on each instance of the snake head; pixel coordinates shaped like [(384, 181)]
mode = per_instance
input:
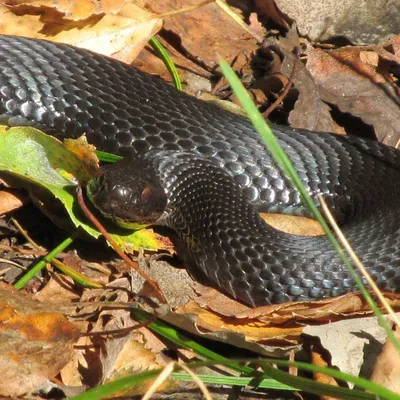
[(129, 192)]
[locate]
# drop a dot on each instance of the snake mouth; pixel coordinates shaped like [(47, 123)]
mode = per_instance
[(132, 200)]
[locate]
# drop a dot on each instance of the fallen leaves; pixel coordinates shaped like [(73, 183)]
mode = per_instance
[(355, 82), (120, 30), (36, 342), (195, 38)]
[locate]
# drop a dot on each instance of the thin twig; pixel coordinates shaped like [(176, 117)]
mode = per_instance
[(25, 234), (161, 378), (114, 245), (224, 7), (285, 90), (122, 330), (167, 371)]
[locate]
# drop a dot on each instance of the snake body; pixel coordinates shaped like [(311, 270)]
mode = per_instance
[(214, 173)]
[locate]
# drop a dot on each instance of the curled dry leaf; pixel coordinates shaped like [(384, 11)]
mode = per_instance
[(11, 200), (35, 342), (271, 330), (352, 79), (310, 111)]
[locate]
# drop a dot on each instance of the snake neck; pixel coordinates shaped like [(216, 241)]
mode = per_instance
[(222, 236)]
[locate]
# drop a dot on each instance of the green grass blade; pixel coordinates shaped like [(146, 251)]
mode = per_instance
[(233, 381), (42, 263), (284, 162), (299, 383), (123, 385), (167, 331), (264, 380), (107, 157), (120, 386), (163, 54), (374, 388)]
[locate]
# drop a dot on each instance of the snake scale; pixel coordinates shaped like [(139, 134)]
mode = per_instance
[(204, 173)]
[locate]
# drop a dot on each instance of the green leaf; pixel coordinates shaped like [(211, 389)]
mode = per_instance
[(39, 160)]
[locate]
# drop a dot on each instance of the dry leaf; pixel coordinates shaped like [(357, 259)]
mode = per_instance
[(387, 367), (294, 225), (318, 360), (74, 10), (58, 290), (310, 111), (203, 33), (12, 200), (352, 344), (35, 343), (122, 35), (358, 88)]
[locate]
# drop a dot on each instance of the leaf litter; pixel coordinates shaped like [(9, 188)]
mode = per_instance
[(335, 89)]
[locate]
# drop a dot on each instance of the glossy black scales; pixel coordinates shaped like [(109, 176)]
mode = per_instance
[(69, 91)]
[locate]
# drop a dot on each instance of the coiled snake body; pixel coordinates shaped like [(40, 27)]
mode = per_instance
[(210, 174)]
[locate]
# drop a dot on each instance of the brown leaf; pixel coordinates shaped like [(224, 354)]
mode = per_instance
[(359, 88), (80, 9), (269, 9), (12, 199), (72, 9), (387, 368), (318, 360), (252, 332), (121, 35), (310, 111), (204, 33), (58, 290), (35, 342)]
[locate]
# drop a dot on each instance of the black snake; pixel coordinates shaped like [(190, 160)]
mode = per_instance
[(204, 173)]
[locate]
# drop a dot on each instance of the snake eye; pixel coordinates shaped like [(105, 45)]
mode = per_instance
[(120, 195), (130, 192)]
